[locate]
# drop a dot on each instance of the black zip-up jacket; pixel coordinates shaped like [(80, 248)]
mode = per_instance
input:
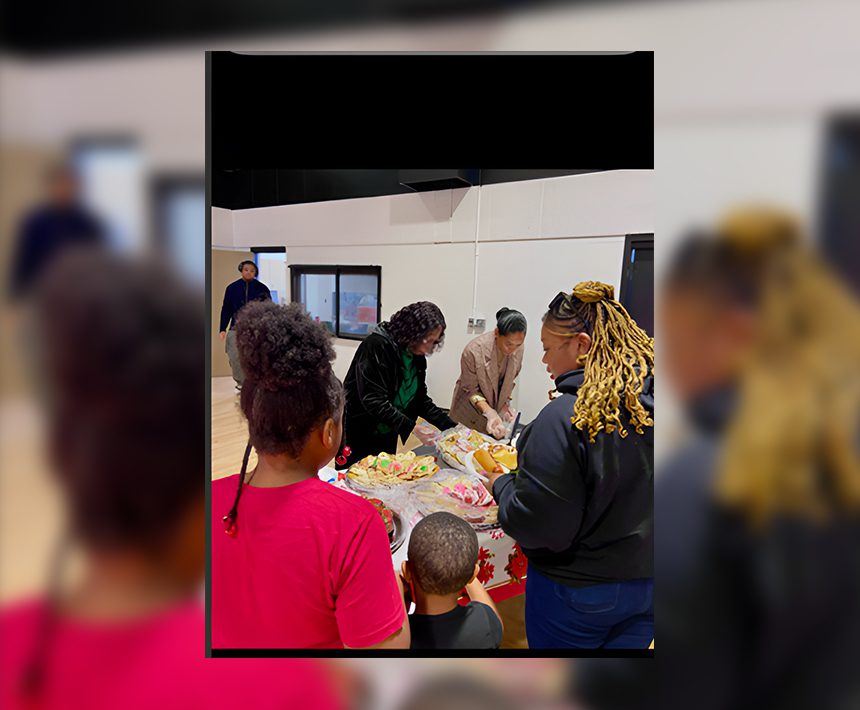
[(237, 294), (371, 385), (581, 512)]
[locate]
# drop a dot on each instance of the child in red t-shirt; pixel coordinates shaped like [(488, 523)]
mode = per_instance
[(297, 563), (120, 345)]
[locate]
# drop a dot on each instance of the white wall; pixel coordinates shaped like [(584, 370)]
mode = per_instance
[(273, 273), (592, 204), (526, 276), (738, 106), (222, 228), (535, 238)]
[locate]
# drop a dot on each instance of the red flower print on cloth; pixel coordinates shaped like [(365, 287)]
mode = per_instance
[(485, 573), (517, 565), (485, 569)]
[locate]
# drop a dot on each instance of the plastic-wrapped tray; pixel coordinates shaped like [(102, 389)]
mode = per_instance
[(400, 505), (389, 471), (399, 534), (460, 493), (455, 443), (457, 449)]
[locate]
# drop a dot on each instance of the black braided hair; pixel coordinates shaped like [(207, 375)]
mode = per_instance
[(33, 678), (569, 313)]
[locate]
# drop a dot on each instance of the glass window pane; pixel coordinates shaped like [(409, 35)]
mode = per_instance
[(185, 229), (358, 303), (112, 184), (317, 294), (273, 273)]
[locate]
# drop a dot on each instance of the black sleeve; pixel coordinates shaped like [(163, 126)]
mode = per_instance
[(22, 262), (492, 626), (226, 311), (97, 231), (373, 391), (541, 506), (428, 409), (266, 295), (497, 632)]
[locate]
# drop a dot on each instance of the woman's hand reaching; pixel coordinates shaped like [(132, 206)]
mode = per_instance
[(495, 425)]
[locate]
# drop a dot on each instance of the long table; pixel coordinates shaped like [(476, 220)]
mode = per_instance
[(502, 563)]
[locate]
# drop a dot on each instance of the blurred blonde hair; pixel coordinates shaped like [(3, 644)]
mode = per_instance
[(792, 446)]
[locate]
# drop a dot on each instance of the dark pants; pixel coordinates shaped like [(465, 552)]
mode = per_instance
[(616, 615)]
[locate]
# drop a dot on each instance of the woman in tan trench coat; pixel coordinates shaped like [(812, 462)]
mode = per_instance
[(488, 368)]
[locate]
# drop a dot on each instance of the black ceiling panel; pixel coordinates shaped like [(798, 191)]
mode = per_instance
[(352, 111), (243, 189)]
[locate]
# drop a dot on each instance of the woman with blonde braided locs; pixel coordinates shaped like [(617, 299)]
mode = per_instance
[(617, 363), (581, 503)]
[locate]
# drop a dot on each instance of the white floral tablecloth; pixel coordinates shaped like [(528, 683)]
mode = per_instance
[(502, 563)]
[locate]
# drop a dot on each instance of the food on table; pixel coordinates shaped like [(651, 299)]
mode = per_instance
[(487, 462), (388, 469), (505, 455), (496, 458), (387, 515), (464, 496), (460, 442)]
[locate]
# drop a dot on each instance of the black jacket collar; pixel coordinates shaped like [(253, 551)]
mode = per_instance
[(570, 382)]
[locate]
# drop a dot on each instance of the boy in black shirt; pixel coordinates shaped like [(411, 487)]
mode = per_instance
[(442, 559)]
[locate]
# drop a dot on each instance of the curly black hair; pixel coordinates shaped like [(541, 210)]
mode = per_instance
[(443, 550), (121, 347), (290, 388), (411, 324)]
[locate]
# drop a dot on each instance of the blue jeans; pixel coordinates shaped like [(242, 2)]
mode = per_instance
[(617, 615)]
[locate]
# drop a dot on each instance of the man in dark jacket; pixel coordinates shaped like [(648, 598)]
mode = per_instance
[(59, 224), (386, 388), (236, 296)]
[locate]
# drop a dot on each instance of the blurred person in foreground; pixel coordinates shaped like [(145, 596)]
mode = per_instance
[(124, 354), (60, 223), (459, 692), (756, 537)]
